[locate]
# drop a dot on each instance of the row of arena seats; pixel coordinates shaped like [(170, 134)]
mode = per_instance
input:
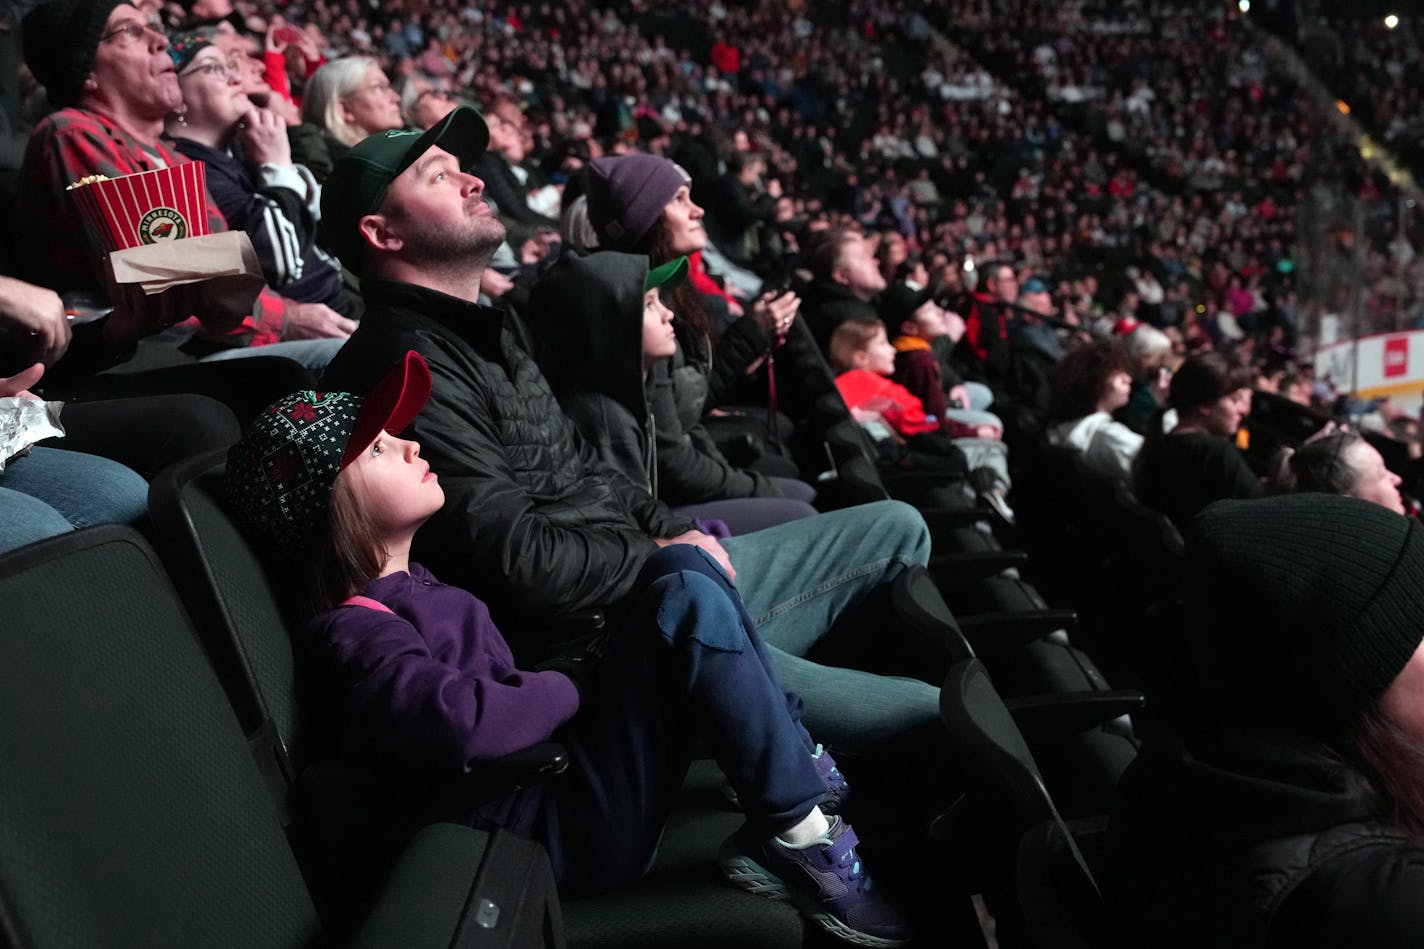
[(165, 676)]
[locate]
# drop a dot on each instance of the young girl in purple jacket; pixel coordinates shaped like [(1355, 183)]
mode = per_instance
[(426, 680)]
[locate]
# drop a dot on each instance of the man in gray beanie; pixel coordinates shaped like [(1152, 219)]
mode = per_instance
[(1279, 797)]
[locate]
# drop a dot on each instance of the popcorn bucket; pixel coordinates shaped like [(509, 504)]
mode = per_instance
[(167, 204)]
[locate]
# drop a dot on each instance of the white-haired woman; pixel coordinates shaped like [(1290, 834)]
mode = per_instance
[(346, 100)]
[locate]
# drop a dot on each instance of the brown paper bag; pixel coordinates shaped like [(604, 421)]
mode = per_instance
[(224, 266)]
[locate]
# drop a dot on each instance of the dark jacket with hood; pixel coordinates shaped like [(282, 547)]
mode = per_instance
[(534, 521), (586, 314), (1237, 837)]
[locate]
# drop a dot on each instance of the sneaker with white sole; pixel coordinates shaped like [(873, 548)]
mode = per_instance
[(824, 880)]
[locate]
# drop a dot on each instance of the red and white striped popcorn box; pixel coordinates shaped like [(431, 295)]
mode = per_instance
[(151, 207)]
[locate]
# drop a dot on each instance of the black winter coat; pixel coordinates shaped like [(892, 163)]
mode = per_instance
[(586, 314), (534, 522), (1233, 839)]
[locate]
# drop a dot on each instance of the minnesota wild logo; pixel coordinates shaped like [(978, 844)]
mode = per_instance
[(162, 224)]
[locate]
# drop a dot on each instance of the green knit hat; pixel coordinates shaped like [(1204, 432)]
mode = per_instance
[(1302, 609)]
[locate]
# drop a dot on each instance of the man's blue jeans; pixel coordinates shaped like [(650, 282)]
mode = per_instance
[(797, 579)]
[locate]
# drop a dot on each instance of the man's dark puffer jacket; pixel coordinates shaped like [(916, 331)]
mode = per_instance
[(532, 521)]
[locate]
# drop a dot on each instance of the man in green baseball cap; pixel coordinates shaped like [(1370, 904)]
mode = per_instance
[(428, 219)]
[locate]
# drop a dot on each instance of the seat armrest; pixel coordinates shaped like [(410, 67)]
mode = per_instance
[(1061, 714), (968, 566), (948, 518), (340, 791), (456, 886), (996, 632), (578, 623)]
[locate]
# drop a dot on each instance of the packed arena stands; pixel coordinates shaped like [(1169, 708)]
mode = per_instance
[(893, 465)]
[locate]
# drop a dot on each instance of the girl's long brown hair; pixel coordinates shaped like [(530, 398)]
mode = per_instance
[(350, 556)]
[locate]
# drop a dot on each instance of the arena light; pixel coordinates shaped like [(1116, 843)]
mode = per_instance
[(1390, 21), (1244, 6), (1343, 106)]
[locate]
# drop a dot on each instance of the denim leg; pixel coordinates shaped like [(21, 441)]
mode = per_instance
[(85, 489), (684, 664), (855, 711), (312, 353), (24, 520), (798, 578)]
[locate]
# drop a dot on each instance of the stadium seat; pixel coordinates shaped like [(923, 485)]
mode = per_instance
[(130, 811), (1036, 879)]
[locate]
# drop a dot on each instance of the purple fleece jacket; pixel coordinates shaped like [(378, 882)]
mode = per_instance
[(433, 685)]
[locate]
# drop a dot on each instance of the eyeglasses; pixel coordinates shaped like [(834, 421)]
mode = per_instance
[(134, 31), (380, 87), (212, 67)]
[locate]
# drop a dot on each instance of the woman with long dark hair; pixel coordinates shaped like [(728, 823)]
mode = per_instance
[(643, 204), (1182, 471)]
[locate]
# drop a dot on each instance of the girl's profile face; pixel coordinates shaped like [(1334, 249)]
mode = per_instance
[(394, 485), (659, 340)]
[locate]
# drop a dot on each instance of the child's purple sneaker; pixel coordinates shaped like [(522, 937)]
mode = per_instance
[(824, 880), (837, 790)]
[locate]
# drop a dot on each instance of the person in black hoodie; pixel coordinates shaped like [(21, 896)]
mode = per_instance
[(1279, 799), (605, 340)]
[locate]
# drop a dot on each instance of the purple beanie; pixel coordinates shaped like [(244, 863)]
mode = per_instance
[(627, 194)]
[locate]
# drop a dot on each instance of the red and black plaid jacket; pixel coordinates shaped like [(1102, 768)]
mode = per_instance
[(57, 249)]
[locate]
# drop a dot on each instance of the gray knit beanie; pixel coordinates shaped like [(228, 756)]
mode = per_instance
[(627, 194), (1303, 608), (61, 39)]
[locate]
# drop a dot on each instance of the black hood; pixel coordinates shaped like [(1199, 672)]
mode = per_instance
[(1227, 790), (586, 314)]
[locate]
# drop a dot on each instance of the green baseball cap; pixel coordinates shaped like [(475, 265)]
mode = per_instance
[(358, 182), (668, 276)]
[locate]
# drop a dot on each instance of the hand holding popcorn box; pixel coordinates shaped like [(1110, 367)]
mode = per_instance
[(142, 219)]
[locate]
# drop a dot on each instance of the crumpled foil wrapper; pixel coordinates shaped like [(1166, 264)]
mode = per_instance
[(24, 422)]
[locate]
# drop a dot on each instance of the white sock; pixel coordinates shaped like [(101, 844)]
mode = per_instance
[(807, 830)]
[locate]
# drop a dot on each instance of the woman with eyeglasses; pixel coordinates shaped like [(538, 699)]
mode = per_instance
[(346, 100), (250, 172), (105, 67)]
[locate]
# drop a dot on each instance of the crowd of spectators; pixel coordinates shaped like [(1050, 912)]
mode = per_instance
[(1100, 220)]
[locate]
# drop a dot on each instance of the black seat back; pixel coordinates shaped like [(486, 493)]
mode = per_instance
[(1007, 787), (130, 814), (236, 608)]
